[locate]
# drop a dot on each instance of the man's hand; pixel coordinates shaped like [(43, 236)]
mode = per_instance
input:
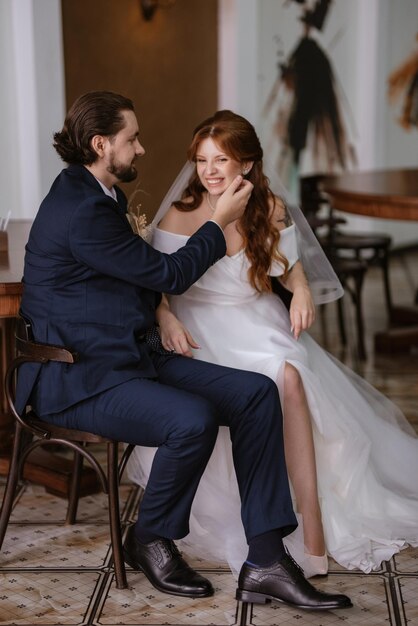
[(231, 204)]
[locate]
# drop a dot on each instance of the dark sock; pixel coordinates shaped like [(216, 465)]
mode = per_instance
[(145, 536), (266, 549)]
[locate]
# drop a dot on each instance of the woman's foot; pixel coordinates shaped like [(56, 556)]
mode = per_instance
[(315, 565)]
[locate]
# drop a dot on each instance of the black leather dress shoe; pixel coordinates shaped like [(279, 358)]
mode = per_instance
[(164, 567), (284, 582)]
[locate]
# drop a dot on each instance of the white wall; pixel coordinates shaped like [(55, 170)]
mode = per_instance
[(8, 153), (31, 100), (365, 41), (238, 38), (401, 34)]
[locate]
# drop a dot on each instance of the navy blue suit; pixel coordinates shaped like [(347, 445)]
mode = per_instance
[(91, 284)]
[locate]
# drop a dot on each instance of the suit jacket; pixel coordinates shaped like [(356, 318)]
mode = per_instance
[(93, 285)]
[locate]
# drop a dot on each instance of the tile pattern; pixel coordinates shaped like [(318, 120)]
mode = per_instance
[(53, 574), (47, 597), (142, 604)]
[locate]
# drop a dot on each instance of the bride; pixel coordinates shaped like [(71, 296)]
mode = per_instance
[(351, 455)]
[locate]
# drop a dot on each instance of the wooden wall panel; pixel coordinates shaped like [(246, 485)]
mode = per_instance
[(168, 66)]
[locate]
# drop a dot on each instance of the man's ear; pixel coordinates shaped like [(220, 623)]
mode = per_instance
[(98, 144)]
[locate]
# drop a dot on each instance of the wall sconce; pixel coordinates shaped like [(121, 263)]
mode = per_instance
[(148, 7)]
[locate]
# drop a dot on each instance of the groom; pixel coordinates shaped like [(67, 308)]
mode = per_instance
[(92, 284)]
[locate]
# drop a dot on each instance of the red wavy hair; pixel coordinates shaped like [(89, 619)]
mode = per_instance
[(237, 138)]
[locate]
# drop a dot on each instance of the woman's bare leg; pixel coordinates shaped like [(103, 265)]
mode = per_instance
[(300, 459)]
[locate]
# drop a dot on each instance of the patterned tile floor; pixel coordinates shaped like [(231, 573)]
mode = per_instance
[(54, 574)]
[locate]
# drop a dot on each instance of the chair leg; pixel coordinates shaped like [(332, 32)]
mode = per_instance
[(244, 613), (114, 515), (341, 322), (384, 263), (125, 458), (323, 324), (74, 496), (358, 284), (12, 481)]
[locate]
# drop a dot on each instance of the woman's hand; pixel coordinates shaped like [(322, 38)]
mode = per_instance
[(302, 310), (302, 307), (174, 336)]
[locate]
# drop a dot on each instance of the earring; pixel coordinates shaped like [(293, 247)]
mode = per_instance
[(245, 171)]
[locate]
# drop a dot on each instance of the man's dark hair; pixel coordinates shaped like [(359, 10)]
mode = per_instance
[(94, 113)]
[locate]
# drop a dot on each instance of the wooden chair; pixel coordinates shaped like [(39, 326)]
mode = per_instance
[(350, 254), (371, 248), (31, 432), (351, 273)]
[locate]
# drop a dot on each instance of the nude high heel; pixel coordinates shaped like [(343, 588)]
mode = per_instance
[(315, 565)]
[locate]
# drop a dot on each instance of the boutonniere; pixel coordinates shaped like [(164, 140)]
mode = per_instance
[(138, 222)]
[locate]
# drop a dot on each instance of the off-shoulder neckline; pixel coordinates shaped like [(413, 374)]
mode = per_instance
[(168, 232), (228, 256)]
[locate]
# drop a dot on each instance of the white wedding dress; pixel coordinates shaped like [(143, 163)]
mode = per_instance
[(366, 452)]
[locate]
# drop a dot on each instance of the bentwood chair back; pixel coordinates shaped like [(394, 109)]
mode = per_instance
[(31, 432), (350, 254), (370, 247)]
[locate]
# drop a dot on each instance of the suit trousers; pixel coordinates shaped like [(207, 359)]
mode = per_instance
[(180, 413)]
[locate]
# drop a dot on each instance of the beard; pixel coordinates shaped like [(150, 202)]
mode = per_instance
[(124, 173)]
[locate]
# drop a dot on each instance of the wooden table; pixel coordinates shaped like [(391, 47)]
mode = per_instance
[(43, 467), (387, 194), (11, 270)]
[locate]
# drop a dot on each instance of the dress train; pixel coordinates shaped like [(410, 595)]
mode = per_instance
[(366, 451)]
